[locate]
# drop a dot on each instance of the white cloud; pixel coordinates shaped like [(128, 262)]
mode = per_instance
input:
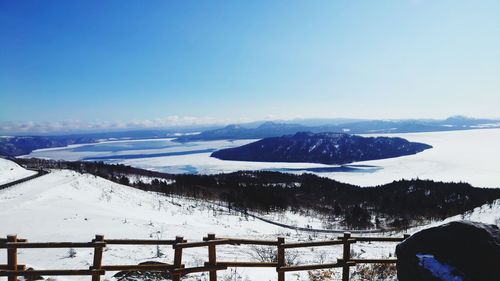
[(79, 126)]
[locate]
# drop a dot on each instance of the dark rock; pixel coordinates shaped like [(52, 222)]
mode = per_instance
[(33, 277), (143, 275), (461, 250)]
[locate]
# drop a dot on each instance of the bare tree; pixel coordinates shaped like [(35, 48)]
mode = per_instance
[(270, 254), (71, 253), (159, 235)]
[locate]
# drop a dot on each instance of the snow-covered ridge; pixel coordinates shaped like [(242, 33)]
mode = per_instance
[(10, 171)]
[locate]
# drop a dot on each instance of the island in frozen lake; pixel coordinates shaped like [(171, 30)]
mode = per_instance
[(324, 148)]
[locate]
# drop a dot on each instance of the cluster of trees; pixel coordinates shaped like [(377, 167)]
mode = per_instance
[(400, 201)]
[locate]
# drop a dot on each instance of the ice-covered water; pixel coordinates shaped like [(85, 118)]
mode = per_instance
[(471, 156)]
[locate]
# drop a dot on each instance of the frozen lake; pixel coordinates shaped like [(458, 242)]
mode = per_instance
[(471, 156)]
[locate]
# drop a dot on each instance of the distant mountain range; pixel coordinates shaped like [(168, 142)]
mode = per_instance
[(325, 148), (21, 145), (272, 129)]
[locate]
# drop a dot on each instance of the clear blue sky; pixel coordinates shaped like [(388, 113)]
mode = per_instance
[(124, 61)]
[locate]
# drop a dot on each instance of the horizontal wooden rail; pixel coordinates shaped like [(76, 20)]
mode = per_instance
[(377, 239), (189, 270), (253, 242), (52, 245), (3, 240), (52, 272), (315, 243), (139, 242), (6, 267), (246, 264), (383, 261), (139, 267), (237, 241), (201, 244), (313, 266)]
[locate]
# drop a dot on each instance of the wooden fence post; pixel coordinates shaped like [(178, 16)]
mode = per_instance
[(177, 258), (12, 257), (97, 257), (346, 256), (212, 257), (281, 258)]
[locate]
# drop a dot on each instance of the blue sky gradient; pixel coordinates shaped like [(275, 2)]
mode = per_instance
[(221, 61)]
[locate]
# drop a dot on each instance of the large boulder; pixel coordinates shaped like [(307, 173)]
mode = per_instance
[(458, 251)]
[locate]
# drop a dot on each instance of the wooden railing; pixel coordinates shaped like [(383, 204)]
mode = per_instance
[(12, 269)]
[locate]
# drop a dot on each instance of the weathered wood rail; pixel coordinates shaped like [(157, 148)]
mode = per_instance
[(177, 269)]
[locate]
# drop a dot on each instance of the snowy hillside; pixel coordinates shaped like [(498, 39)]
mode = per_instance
[(10, 171), (67, 206)]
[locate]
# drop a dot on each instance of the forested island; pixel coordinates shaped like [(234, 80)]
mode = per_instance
[(324, 148)]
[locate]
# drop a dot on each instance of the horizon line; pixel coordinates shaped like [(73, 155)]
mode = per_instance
[(177, 124)]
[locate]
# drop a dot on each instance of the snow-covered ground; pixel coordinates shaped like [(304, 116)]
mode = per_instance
[(10, 171), (68, 206), (470, 156)]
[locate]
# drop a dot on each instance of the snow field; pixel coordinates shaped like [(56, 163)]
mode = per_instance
[(10, 171)]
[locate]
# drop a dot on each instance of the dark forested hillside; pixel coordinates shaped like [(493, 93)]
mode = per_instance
[(21, 145), (400, 202), (325, 148), (265, 130), (15, 146)]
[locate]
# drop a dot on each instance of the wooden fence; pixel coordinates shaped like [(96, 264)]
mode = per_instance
[(177, 269)]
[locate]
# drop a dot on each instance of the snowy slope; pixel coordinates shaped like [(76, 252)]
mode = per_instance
[(10, 171), (489, 213), (67, 206)]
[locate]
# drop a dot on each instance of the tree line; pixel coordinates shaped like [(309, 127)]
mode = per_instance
[(397, 204)]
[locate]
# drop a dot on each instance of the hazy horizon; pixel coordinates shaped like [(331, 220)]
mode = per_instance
[(94, 65), (176, 124)]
